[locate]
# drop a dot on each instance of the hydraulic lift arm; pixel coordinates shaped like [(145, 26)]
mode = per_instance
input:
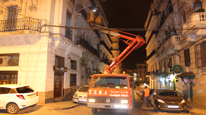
[(133, 42)]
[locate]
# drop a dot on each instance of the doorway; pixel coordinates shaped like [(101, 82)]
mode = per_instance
[(58, 85)]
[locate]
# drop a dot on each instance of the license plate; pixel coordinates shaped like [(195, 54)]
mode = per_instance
[(31, 96), (173, 106), (82, 100)]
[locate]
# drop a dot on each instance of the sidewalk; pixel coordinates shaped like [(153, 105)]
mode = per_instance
[(49, 108), (196, 109)]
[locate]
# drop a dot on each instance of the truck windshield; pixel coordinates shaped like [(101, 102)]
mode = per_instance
[(109, 82)]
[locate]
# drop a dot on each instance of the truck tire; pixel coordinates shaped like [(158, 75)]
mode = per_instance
[(128, 112), (12, 108), (94, 110)]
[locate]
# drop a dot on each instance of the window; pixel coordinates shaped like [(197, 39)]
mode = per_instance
[(83, 89), (203, 54), (109, 82), (170, 63), (4, 90), (59, 61), (72, 79), (24, 90), (68, 31), (12, 18), (73, 65), (9, 77), (187, 57), (197, 5), (184, 18), (169, 93), (9, 59)]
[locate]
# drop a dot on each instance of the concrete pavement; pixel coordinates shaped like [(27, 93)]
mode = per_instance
[(196, 109), (70, 108)]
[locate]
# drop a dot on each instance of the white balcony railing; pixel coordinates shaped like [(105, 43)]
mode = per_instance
[(197, 20), (173, 40)]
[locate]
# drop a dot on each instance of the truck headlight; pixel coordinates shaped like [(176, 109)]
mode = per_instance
[(91, 100), (124, 101), (183, 101), (161, 101), (75, 95)]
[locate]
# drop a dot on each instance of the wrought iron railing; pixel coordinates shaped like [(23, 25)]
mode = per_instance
[(21, 24), (81, 41)]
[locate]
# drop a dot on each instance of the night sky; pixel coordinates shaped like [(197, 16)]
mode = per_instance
[(128, 14)]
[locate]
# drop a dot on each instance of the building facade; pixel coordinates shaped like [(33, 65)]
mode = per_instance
[(38, 47), (175, 47)]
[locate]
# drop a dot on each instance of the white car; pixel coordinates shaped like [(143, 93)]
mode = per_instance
[(80, 96), (14, 97)]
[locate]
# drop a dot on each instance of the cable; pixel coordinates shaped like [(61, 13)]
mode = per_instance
[(20, 14)]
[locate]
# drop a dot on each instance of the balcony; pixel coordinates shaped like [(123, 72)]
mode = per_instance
[(105, 46), (20, 31), (21, 24), (194, 26), (173, 43), (106, 61), (81, 41)]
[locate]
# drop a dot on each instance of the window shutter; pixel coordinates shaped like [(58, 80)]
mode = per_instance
[(187, 57), (203, 54)]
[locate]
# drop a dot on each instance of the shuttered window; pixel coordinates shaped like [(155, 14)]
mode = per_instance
[(187, 57), (59, 61), (203, 54), (12, 17)]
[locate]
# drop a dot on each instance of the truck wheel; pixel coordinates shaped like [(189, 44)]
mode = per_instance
[(128, 112), (12, 108), (94, 110)]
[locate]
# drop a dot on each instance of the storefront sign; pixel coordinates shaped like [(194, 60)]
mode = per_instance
[(177, 68)]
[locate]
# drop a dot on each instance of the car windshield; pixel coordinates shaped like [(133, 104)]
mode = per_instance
[(83, 89), (24, 89), (169, 93), (109, 82)]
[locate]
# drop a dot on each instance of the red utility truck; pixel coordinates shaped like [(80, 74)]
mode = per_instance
[(113, 91)]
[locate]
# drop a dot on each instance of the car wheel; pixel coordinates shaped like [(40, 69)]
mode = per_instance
[(155, 109), (12, 108), (74, 102), (94, 110)]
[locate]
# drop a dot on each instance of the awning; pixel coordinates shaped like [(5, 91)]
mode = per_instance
[(189, 75)]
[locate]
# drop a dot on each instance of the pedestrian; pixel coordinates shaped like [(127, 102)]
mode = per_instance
[(146, 94)]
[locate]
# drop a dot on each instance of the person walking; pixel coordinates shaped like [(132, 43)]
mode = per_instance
[(146, 94)]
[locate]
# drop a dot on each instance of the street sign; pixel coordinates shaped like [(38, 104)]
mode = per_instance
[(177, 69)]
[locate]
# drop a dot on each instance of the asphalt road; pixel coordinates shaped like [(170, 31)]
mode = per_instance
[(69, 108)]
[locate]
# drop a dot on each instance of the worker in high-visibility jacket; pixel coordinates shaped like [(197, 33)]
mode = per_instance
[(146, 94)]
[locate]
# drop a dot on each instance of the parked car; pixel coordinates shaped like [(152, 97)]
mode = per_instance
[(14, 97), (165, 99), (80, 96)]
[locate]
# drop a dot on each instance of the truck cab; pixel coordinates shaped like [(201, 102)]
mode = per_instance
[(109, 91)]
